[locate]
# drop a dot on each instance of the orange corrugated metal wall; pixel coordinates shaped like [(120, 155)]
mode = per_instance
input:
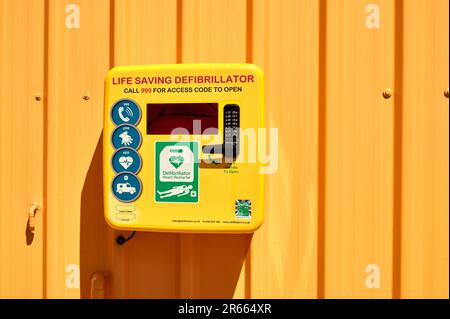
[(359, 204)]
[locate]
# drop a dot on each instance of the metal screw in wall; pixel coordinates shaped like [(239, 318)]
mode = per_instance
[(387, 94), (86, 96), (446, 93), (38, 97)]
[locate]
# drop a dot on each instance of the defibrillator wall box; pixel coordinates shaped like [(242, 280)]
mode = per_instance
[(174, 155)]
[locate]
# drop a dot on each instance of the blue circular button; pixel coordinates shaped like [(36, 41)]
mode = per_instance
[(125, 112), (126, 187), (126, 160), (126, 136)]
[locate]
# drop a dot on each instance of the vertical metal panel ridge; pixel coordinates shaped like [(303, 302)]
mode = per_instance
[(398, 151), (248, 274), (112, 23), (45, 145), (249, 59), (179, 35), (249, 31), (322, 149)]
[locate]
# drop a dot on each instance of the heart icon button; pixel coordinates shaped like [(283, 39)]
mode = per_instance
[(126, 161), (176, 161)]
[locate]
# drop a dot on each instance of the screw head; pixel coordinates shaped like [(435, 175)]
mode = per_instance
[(446, 93), (387, 94), (38, 97), (86, 96)]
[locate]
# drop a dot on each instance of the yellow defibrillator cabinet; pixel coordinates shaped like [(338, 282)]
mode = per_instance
[(177, 145)]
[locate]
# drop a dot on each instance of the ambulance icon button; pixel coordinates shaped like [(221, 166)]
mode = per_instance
[(126, 187)]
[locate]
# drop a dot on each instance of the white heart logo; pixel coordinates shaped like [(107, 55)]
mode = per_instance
[(126, 161)]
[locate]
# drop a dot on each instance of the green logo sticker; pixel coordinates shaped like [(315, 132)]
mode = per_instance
[(176, 172), (176, 161), (243, 209)]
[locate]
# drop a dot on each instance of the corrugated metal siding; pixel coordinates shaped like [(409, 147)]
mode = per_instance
[(361, 180)]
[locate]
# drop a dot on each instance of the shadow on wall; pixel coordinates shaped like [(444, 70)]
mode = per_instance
[(153, 265)]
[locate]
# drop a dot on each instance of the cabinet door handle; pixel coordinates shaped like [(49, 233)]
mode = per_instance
[(31, 214), (97, 286)]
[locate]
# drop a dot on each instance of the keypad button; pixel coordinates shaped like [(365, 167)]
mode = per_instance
[(126, 136), (126, 187), (126, 160), (126, 112)]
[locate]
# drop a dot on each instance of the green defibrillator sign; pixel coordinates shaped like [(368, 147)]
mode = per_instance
[(176, 172)]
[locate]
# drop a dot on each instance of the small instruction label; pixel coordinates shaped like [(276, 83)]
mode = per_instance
[(176, 172)]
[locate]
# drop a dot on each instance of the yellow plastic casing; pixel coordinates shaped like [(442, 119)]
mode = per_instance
[(218, 188)]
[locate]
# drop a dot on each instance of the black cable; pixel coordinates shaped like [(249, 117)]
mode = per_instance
[(122, 240)]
